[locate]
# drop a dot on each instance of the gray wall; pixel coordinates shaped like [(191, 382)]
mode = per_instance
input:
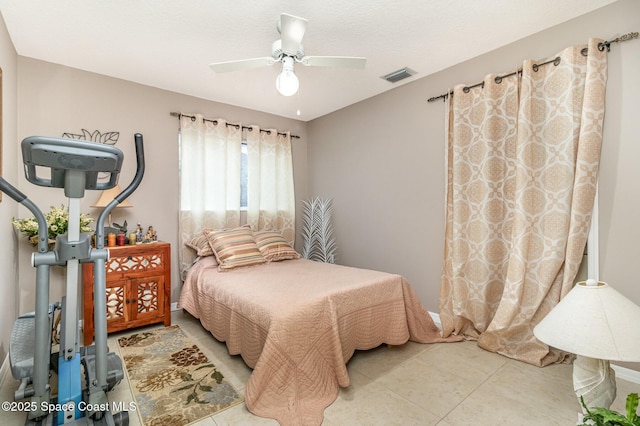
[(9, 287), (54, 99), (382, 160)]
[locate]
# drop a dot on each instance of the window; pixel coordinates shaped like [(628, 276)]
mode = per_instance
[(214, 179), (243, 176)]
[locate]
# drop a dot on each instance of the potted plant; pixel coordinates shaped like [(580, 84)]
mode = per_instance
[(606, 417), (57, 222)]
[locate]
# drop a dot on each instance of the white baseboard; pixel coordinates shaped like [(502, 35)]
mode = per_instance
[(436, 319), (627, 374), (623, 373), (4, 370)]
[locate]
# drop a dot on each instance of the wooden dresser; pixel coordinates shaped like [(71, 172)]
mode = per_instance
[(138, 288)]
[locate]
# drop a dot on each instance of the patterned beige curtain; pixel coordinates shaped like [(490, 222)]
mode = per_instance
[(523, 160), (210, 160), (270, 192)]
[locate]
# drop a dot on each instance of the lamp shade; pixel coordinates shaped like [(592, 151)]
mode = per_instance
[(595, 321), (108, 195)]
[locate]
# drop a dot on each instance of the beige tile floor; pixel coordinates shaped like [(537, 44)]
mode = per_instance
[(452, 384)]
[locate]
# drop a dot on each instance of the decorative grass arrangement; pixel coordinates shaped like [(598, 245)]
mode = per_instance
[(317, 231)]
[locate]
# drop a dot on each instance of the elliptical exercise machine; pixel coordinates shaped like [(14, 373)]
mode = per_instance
[(74, 166)]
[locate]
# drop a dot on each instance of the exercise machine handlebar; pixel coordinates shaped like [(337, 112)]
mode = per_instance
[(139, 145)]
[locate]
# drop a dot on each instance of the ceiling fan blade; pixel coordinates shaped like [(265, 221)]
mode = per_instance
[(292, 29), (334, 61), (242, 64)]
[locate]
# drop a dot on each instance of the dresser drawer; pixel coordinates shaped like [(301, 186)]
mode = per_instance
[(123, 264)]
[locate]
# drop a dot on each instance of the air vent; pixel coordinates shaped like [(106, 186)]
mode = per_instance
[(401, 74)]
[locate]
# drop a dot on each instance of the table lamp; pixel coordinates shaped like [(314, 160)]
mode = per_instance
[(105, 198), (599, 325)]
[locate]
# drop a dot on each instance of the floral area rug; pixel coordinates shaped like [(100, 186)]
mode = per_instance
[(172, 381)]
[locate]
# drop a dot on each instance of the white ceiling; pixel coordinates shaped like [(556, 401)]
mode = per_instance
[(170, 43)]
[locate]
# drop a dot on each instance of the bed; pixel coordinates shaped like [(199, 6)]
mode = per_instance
[(297, 322)]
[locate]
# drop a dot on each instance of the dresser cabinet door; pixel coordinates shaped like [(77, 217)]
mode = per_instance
[(147, 298), (138, 281)]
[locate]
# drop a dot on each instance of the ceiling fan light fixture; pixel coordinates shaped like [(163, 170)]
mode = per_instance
[(289, 50), (287, 82)]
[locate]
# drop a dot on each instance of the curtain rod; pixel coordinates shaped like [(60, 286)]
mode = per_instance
[(237, 126), (556, 61)]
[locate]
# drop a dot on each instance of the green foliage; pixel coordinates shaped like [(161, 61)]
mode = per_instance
[(57, 222), (606, 417)]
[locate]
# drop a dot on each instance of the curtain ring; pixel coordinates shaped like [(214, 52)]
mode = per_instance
[(556, 61), (193, 118), (498, 79), (466, 89)]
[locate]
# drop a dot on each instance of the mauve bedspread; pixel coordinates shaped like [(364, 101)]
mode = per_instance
[(297, 323)]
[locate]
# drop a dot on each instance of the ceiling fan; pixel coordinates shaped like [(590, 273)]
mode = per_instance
[(289, 50)]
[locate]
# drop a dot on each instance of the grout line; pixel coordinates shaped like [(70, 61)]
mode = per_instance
[(623, 373), (475, 389)]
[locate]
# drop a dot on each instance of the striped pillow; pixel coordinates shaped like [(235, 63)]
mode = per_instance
[(274, 247), (234, 248), (200, 244)]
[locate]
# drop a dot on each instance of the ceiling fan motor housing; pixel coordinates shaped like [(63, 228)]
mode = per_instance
[(277, 53)]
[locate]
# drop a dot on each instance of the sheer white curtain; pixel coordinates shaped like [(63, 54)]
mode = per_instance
[(270, 191), (210, 161)]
